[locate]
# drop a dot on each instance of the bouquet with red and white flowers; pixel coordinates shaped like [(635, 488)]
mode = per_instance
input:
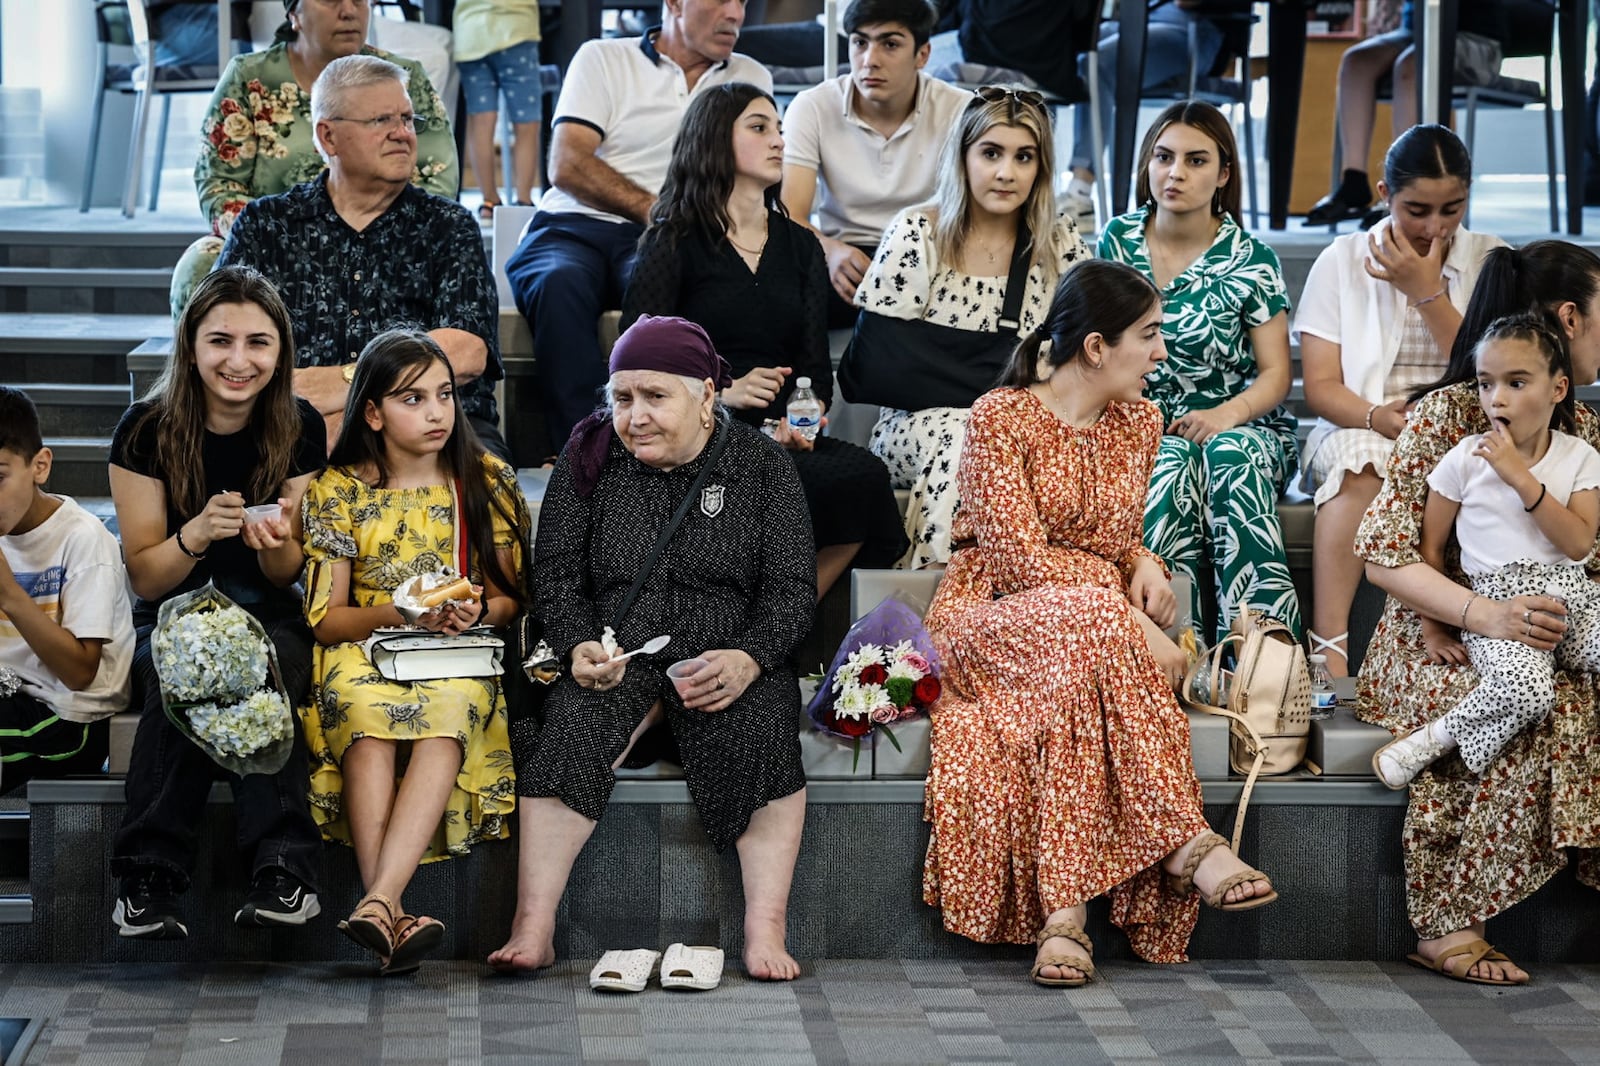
[(884, 672)]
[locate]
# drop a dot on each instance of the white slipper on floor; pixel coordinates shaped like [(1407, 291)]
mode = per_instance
[(623, 971), (691, 969)]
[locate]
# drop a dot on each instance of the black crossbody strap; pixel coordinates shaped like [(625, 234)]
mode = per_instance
[(1017, 281), (718, 442)]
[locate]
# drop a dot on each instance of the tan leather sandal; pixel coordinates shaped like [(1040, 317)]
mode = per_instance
[(1069, 931), (1183, 884), (415, 937), (371, 924)]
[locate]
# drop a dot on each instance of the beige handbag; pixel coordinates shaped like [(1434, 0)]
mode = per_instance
[(1268, 700)]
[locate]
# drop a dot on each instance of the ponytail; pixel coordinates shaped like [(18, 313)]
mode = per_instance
[(1095, 296), (1539, 277)]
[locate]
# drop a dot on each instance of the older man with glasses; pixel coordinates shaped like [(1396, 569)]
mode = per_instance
[(359, 250)]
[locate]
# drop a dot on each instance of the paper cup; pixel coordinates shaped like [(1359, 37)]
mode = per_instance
[(681, 671), (262, 512)]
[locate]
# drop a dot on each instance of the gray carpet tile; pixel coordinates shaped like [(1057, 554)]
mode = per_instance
[(879, 1012)]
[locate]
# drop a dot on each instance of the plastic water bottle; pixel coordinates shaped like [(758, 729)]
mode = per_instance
[(1322, 696), (805, 410)]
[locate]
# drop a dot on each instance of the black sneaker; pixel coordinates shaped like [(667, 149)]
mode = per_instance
[(147, 907), (277, 897)]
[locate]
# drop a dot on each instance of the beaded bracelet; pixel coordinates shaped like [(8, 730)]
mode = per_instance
[(1370, 412), (1536, 503), (1429, 299), (1464, 607), (184, 548)]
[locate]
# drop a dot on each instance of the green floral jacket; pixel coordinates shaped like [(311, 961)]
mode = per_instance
[(257, 137)]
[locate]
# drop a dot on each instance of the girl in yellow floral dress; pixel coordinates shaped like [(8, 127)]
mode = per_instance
[(419, 771)]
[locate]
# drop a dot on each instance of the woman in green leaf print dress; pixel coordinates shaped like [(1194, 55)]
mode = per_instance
[(1230, 445)]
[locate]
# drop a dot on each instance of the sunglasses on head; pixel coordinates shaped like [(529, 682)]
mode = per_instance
[(995, 93)]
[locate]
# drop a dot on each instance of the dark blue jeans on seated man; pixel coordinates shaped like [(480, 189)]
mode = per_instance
[(169, 778), (569, 269)]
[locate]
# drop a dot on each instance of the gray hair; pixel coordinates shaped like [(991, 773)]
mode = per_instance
[(695, 387), (344, 76)]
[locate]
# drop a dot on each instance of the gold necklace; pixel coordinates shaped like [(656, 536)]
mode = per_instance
[(756, 251)]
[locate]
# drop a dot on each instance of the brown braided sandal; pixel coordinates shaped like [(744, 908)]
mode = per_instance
[(1072, 932), (1182, 884), (371, 924)]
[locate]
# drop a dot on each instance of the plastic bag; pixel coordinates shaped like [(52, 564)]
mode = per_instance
[(220, 683), (884, 671)]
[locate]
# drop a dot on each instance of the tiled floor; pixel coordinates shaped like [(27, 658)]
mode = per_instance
[(838, 1012)]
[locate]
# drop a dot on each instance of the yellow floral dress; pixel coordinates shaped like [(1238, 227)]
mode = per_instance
[(390, 535)]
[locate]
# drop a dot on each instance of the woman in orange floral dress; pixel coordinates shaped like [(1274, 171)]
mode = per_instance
[(1061, 764), (1476, 846)]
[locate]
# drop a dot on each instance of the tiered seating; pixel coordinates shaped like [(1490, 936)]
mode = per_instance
[(83, 305)]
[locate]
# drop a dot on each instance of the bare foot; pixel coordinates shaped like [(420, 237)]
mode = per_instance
[(1219, 864), (1483, 969), (766, 958), (1060, 945), (526, 951)]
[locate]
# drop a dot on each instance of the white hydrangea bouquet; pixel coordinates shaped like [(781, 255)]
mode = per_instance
[(220, 683)]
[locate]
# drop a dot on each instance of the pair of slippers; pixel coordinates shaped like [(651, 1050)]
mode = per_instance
[(683, 968)]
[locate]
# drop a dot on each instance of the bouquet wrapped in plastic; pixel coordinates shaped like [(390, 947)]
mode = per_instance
[(220, 683), (885, 671)]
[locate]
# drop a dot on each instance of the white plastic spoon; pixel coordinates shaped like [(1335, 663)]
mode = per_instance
[(649, 647)]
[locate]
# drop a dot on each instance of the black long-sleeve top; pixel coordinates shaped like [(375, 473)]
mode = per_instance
[(775, 315)]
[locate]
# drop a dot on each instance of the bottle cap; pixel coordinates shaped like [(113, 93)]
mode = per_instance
[(1317, 658), (802, 383)]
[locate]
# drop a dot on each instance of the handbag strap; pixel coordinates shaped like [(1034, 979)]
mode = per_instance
[(718, 442), (1017, 280), (1207, 702), (461, 529)]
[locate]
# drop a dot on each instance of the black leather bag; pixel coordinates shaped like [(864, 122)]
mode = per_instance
[(915, 364)]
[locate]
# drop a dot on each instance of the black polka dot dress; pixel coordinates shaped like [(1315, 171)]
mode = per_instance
[(739, 573)]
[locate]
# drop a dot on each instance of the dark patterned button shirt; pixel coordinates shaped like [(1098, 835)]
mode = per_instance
[(421, 263)]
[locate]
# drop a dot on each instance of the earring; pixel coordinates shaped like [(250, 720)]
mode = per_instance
[(705, 423)]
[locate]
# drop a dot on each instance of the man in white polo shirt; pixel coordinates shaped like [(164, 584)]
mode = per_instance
[(867, 143), (620, 107)]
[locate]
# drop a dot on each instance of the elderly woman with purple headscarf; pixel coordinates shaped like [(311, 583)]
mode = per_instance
[(733, 585)]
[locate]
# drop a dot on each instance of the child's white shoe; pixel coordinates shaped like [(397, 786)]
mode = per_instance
[(1398, 761)]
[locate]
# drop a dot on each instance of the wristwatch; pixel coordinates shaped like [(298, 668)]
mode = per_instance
[(349, 372)]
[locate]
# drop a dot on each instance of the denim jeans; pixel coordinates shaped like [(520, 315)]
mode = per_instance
[(1166, 56), (169, 777), (568, 269)]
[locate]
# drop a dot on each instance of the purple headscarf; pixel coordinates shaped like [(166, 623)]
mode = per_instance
[(663, 343)]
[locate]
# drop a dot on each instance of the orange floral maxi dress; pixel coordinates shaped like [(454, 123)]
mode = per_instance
[(1061, 762)]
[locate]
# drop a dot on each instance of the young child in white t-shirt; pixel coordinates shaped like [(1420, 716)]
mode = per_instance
[(1524, 502), (66, 630)]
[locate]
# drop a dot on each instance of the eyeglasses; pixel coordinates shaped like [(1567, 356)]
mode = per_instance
[(995, 93), (382, 123)]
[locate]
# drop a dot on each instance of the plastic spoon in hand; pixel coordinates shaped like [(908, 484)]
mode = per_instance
[(649, 647)]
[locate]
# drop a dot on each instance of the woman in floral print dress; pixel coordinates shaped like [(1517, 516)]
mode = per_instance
[(1229, 447), (258, 140), (1476, 846), (1061, 762), (947, 262)]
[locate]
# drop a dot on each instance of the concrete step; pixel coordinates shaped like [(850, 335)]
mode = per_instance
[(80, 335), (78, 410), (66, 290), (648, 876), (80, 467)]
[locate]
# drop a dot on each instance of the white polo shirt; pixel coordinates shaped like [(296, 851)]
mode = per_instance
[(865, 179), (634, 97)]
